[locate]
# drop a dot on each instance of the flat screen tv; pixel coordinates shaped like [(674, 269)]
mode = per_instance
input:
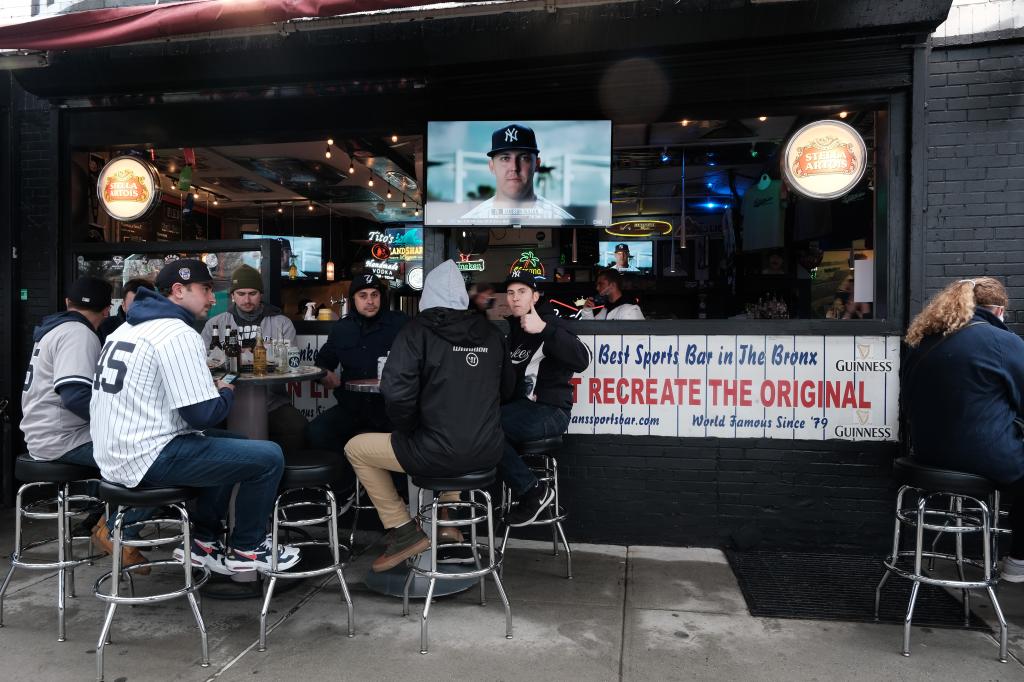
[(627, 256), (537, 173), (308, 252)]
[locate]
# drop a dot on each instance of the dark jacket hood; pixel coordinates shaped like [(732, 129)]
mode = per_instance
[(149, 305), (460, 327), (51, 322), (983, 315)]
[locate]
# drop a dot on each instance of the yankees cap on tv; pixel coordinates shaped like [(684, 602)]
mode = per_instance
[(513, 136)]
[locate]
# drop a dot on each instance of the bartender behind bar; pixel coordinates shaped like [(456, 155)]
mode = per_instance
[(355, 343)]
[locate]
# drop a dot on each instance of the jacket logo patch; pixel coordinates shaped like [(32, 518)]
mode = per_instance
[(472, 360)]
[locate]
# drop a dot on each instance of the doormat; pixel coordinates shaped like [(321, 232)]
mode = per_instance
[(839, 587)]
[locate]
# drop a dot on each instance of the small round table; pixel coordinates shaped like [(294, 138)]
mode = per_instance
[(248, 414), (392, 582)]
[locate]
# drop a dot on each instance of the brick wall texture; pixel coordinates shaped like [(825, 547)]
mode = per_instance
[(975, 133)]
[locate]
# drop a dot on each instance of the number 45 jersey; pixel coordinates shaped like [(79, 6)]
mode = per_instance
[(146, 371), (64, 353)]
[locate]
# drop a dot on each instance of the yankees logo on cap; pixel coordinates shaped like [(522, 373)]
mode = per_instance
[(184, 271), (367, 281), (513, 136)]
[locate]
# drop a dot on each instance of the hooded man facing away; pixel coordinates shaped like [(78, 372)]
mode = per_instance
[(447, 356)]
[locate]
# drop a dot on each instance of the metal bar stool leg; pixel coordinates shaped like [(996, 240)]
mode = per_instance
[(61, 549), (17, 550), (476, 552), (894, 556), (186, 532), (356, 503), (494, 574), (114, 584), (918, 547), (332, 535), (269, 585)]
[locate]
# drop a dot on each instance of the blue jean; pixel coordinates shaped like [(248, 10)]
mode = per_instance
[(523, 421), (82, 456), (215, 465)]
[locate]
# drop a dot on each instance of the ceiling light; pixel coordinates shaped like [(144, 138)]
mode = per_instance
[(351, 169), (327, 154), (403, 202), (310, 208), (843, 114), (215, 202), (762, 119), (665, 157), (370, 183), (280, 209), (170, 168), (686, 122), (394, 138), (389, 193), (417, 211), (330, 140), (196, 196)]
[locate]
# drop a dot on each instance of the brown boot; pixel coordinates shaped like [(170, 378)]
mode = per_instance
[(447, 535), (129, 555), (403, 542)]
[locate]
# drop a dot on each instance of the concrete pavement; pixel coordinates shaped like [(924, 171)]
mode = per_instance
[(636, 613)]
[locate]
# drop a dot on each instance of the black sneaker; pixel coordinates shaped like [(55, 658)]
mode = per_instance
[(530, 505)]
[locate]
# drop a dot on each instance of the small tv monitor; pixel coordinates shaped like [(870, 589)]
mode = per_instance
[(506, 173), (308, 252), (627, 256)]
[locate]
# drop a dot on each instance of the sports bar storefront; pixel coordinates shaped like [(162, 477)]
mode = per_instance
[(750, 170)]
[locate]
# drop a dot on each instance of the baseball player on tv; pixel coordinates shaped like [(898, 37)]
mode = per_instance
[(514, 160)]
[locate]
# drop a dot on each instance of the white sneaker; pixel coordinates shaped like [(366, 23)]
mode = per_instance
[(1012, 570), (209, 554)]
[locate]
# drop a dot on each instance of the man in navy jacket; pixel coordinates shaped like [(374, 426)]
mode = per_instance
[(355, 343)]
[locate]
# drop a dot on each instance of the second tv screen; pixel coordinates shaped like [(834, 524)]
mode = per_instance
[(496, 173)]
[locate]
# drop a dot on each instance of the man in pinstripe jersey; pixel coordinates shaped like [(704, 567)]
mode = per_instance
[(152, 398)]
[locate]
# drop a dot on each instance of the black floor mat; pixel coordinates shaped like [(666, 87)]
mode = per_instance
[(838, 587)]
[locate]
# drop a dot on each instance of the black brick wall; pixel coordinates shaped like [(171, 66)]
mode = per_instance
[(975, 132)]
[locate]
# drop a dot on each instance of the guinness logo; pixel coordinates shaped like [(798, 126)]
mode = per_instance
[(863, 416), (864, 350)]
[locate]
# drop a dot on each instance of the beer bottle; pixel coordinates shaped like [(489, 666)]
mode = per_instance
[(215, 340), (259, 357), (232, 352)]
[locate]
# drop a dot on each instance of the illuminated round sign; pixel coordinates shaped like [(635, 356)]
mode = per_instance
[(415, 278), (128, 188), (824, 160)]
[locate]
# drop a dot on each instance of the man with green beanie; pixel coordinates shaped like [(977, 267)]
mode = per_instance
[(247, 314)]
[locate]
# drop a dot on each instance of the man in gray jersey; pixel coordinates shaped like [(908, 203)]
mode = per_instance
[(58, 385)]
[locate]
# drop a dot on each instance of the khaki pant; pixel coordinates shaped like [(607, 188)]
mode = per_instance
[(372, 457)]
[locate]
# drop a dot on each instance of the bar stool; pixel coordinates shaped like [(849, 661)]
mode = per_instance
[(357, 506), (305, 471), (539, 454), (36, 474), (174, 497), (960, 501), (475, 484)]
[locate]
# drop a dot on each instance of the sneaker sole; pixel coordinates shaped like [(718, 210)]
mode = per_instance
[(249, 566), (548, 499), (395, 559), (198, 561), (1012, 578)]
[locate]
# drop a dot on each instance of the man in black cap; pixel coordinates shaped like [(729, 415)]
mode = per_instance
[(514, 159), (153, 397), (355, 343), (622, 258), (545, 355)]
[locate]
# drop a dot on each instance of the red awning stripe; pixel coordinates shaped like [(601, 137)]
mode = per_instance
[(120, 25)]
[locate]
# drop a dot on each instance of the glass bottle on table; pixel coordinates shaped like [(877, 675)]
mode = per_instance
[(232, 351), (215, 339), (259, 357)]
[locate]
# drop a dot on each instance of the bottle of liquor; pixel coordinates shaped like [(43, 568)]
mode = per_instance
[(259, 357), (232, 351), (215, 341), (293, 270)]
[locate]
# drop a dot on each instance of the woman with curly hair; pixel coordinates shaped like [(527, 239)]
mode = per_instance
[(963, 391)]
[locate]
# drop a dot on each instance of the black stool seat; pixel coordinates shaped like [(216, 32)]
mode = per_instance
[(475, 480), (29, 470), (540, 447), (144, 496), (310, 468), (912, 472)]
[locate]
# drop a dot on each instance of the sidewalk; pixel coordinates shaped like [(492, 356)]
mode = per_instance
[(636, 613)]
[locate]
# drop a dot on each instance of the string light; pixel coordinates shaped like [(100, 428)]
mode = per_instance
[(843, 114), (685, 122), (327, 154), (389, 192), (403, 201), (310, 207), (280, 208), (762, 119), (417, 211), (370, 182), (330, 244), (351, 168), (394, 138)]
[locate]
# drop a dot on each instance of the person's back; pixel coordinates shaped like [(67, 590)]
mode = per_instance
[(448, 418), (962, 392)]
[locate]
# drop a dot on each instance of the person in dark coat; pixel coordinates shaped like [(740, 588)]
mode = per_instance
[(545, 355), (443, 384), (351, 352), (128, 291), (963, 392)]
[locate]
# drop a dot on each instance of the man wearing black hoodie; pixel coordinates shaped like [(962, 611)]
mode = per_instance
[(58, 385), (152, 398), (443, 383), (545, 355)]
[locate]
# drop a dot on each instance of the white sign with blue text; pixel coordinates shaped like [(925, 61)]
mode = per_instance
[(787, 387)]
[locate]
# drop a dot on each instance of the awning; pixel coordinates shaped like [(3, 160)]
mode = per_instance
[(120, 25)]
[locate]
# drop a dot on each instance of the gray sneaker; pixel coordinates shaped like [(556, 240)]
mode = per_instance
[(1013, 570)]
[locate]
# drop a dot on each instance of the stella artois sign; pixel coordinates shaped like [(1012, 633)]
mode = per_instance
[(128, 188), (824, 160)]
